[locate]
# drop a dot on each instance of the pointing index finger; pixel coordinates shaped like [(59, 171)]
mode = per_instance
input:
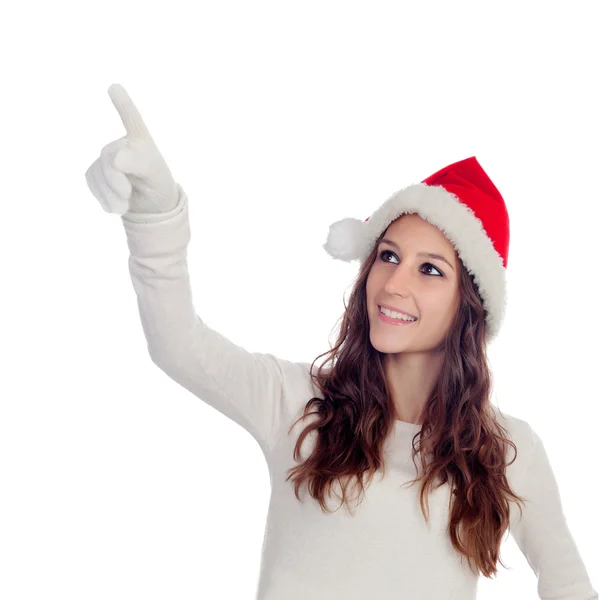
[(132, 120)]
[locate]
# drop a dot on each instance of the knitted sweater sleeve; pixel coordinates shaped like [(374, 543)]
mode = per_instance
[(543, 534), (251, 388)]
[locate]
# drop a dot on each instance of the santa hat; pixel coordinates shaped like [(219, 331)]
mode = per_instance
[(466, 206)]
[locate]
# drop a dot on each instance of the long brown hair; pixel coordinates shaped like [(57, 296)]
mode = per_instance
[(460, 433)]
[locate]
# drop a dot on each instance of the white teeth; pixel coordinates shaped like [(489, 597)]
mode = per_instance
[(396, 315)]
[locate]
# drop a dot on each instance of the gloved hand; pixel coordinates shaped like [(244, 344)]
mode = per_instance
[(130, 175)]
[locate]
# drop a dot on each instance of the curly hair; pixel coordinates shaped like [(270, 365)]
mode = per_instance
[(465, 443)]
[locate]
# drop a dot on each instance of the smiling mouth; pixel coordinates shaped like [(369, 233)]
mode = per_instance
[(393, 321)]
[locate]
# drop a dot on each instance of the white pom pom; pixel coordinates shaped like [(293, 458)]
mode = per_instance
[(345, 239)]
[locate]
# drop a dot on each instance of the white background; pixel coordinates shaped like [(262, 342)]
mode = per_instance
[(278, 119)]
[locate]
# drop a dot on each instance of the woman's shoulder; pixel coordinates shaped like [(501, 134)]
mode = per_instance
[(514, 425), (520, 432)]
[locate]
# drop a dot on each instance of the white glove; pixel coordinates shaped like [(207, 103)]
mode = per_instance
[(130, 175)]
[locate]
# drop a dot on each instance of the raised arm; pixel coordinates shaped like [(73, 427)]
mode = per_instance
[(253, 389), (131, 178)]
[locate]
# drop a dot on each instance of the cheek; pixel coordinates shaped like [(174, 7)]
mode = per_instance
[(438, 306), (370, 285)]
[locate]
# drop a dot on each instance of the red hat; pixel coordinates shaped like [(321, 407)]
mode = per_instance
[(463, 202)]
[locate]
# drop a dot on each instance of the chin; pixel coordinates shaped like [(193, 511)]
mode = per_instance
[(387, 345), (390, 349)]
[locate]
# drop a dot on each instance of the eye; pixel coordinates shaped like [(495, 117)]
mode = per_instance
[(383, 252)]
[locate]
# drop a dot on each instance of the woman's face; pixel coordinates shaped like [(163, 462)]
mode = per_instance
[(422, 286)]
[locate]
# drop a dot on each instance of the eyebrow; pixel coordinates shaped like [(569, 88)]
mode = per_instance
[(428, 254)]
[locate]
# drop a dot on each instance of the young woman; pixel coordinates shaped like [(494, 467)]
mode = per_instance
[(407, 378)]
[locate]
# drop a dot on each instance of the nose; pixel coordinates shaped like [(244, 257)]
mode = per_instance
[(399, 282)]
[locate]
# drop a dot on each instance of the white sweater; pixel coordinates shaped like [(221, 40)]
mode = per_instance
[(385, 550)]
